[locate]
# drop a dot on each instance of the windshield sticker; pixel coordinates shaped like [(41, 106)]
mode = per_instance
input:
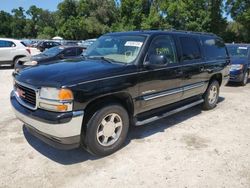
[(133, 43), (242, 48)]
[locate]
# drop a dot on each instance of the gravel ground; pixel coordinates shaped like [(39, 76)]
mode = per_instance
[(191, 149)]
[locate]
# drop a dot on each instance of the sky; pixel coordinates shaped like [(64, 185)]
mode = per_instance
[(8, 5)]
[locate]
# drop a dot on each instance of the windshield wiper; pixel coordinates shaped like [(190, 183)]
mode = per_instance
[(108, 60)]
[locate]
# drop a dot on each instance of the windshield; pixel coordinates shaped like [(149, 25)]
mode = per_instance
[(120, 49), (237, 51), (53, 51)]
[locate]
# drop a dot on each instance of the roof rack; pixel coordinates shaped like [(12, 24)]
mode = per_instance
[(194, 32)]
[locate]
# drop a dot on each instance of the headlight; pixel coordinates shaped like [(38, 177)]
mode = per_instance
[(56, 94), (59, 100), (30, 63), (236, 67)]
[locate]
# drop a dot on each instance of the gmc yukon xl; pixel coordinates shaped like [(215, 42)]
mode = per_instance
[(123, 79)]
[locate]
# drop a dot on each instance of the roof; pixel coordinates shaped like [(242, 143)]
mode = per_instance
[(151, 32), (9, 39)]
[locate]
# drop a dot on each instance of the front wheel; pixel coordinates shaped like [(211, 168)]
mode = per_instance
[(107, 130), (211, 95), (245, 78)]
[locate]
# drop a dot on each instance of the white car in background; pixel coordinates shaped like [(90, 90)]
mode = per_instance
[(12, 50)]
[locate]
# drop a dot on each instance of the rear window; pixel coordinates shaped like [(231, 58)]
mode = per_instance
[(214, 48), (190, 49)]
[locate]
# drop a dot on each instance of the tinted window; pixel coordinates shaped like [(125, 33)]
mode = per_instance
[(70, 52), (190, 48), (6, 44), (214, 48), (163, 45), (79, 51)]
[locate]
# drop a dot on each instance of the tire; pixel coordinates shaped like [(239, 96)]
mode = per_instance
[(245, 79), (211, 95), (100, 127), (15, 62)]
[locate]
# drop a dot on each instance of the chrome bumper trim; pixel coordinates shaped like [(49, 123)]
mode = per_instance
[(69, 129)]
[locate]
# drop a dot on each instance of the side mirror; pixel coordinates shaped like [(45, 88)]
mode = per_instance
[(155, 61)]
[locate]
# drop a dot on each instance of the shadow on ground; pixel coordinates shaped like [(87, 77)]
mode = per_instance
[(67, 157), (5, 67), (236, 84)]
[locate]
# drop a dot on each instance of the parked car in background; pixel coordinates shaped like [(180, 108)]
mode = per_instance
[(12, 50), (50, 55), (44, 45), (124, 79), (240, 59), (87, 43), (69, 43)]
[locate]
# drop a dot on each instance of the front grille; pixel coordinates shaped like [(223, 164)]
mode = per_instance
[(26, 94)]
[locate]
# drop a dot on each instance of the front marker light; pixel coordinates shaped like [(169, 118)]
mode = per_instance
[(53, 107)]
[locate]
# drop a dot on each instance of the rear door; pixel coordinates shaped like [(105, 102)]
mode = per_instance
[(160, 86), (193, 66)]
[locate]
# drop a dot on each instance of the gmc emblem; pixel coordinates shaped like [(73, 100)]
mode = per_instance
[(21, 93)]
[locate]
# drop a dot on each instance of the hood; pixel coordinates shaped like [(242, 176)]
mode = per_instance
[(239, 60), (70, 72), (38, 58)]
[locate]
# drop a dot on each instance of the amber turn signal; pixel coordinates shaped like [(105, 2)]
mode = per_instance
[(65, 94)]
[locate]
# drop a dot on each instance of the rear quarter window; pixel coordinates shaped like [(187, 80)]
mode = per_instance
[(214, 48)]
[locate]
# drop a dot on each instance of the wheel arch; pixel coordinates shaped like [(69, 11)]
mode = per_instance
[(123, 98), (218, 77)]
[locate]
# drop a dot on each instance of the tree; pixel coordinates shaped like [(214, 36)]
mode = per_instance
[(18, 23), (240, 12), (5, 27)]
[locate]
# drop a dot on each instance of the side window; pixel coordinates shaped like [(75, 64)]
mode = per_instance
[(6, 44), (163, 45), (70, 52), (214, 48), (190, 49), (79, 51)]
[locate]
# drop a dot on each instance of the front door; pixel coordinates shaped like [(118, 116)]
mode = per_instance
[(160, 84)]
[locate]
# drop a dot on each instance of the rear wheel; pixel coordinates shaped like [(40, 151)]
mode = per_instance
[(211, 95), (107, 130), (245, 78)]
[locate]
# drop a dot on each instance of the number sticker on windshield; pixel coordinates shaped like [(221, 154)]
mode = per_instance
[(242, 48), (133, 43)]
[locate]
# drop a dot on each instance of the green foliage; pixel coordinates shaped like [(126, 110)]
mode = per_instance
[(82, 19)]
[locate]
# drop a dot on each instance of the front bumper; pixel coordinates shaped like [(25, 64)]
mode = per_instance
[(236, 77), (60, 130), (225, 80)]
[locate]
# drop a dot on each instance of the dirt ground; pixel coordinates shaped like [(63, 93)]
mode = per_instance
[(191, 149)]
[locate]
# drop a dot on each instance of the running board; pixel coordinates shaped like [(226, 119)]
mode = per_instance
[(149, 120)]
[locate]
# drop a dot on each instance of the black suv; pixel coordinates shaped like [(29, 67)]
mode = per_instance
[(125, 79), (44, 45)]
